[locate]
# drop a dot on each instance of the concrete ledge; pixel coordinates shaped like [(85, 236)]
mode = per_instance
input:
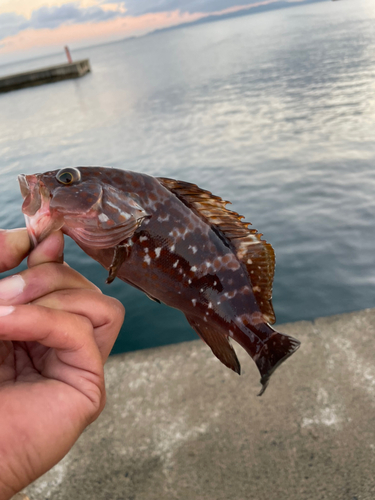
[(45, 75), (179, 425)]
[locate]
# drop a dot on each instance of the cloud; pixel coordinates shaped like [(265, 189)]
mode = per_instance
[(70, 13), (96, 21), (11, 24), (98, 11), (56, 16), (89, 33)]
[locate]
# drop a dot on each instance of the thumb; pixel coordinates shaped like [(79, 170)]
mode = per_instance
[(49, 250), (14, 246)]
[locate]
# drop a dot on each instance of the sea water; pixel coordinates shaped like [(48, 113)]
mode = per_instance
[(273, 111)]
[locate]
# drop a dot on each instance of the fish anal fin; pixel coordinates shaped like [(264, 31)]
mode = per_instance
[(256, 254), (218, 343)]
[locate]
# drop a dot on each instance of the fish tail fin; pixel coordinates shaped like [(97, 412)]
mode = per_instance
[(275, 351), (275, 348)]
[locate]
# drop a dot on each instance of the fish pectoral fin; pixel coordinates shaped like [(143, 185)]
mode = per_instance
[(120, 254), (218, 343)]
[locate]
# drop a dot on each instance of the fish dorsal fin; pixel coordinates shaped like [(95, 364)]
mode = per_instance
[(257, 255)]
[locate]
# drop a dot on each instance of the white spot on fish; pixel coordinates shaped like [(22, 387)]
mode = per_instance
[(146, 250), (124, 214), (147, 259), (195, 250), (215, 283), (157, 252), (175, 264), (172, 248), (163, 219), (103, 218), (231, 333), (202, 290), (205, 319), (186, 231), (189, 281), (143, 238), (113, 206), (193, 269), (249, 261), (210, 305), (194, 302)]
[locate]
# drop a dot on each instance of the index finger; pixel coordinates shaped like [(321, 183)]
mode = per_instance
[(14, 247)]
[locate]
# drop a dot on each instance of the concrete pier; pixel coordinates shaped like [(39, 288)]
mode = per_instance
[(45, 75), (179, 425)]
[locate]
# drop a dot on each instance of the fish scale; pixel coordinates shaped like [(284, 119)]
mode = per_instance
[(177, 243)]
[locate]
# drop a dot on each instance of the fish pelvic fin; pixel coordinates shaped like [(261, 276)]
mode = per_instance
[(218, 343), (275, 351)]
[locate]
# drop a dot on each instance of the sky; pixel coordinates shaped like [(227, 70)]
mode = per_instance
[(37, 27)]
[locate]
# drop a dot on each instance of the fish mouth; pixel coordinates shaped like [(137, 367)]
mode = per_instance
[(40, 221)]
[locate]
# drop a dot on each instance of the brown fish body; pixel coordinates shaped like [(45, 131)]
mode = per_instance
[(178, 244)]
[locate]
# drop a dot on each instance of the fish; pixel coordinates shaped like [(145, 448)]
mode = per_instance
[(177, 243)]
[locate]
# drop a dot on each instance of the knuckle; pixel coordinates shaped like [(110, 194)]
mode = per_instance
[(118, 310), (98, 398)]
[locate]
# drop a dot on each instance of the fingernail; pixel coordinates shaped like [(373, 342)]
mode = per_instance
[(5, 310), (11, 287)]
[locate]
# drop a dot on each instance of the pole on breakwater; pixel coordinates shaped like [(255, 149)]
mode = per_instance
[(67, 52)]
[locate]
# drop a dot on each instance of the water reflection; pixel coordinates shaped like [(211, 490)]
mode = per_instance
[(274, 112)]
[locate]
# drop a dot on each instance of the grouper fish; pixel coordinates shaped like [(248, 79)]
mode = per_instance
[(177, 243)]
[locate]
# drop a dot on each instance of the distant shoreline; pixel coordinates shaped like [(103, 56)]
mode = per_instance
[(277, 5)]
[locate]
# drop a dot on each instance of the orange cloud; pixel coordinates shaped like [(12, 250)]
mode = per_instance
[(90, 33), (93, 33)]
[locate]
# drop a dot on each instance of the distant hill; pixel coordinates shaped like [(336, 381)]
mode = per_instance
[(245, 12)]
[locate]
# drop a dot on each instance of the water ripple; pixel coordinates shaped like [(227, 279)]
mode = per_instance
[(281, 125)]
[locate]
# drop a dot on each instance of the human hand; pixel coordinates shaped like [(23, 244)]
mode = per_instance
[(56, 332)]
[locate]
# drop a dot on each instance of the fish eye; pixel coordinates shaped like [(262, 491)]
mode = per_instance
[(69, 175)]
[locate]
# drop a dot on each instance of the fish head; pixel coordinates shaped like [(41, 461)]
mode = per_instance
[(82, 203)]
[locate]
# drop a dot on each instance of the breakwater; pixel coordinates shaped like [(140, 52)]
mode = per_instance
[(45, 75)]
